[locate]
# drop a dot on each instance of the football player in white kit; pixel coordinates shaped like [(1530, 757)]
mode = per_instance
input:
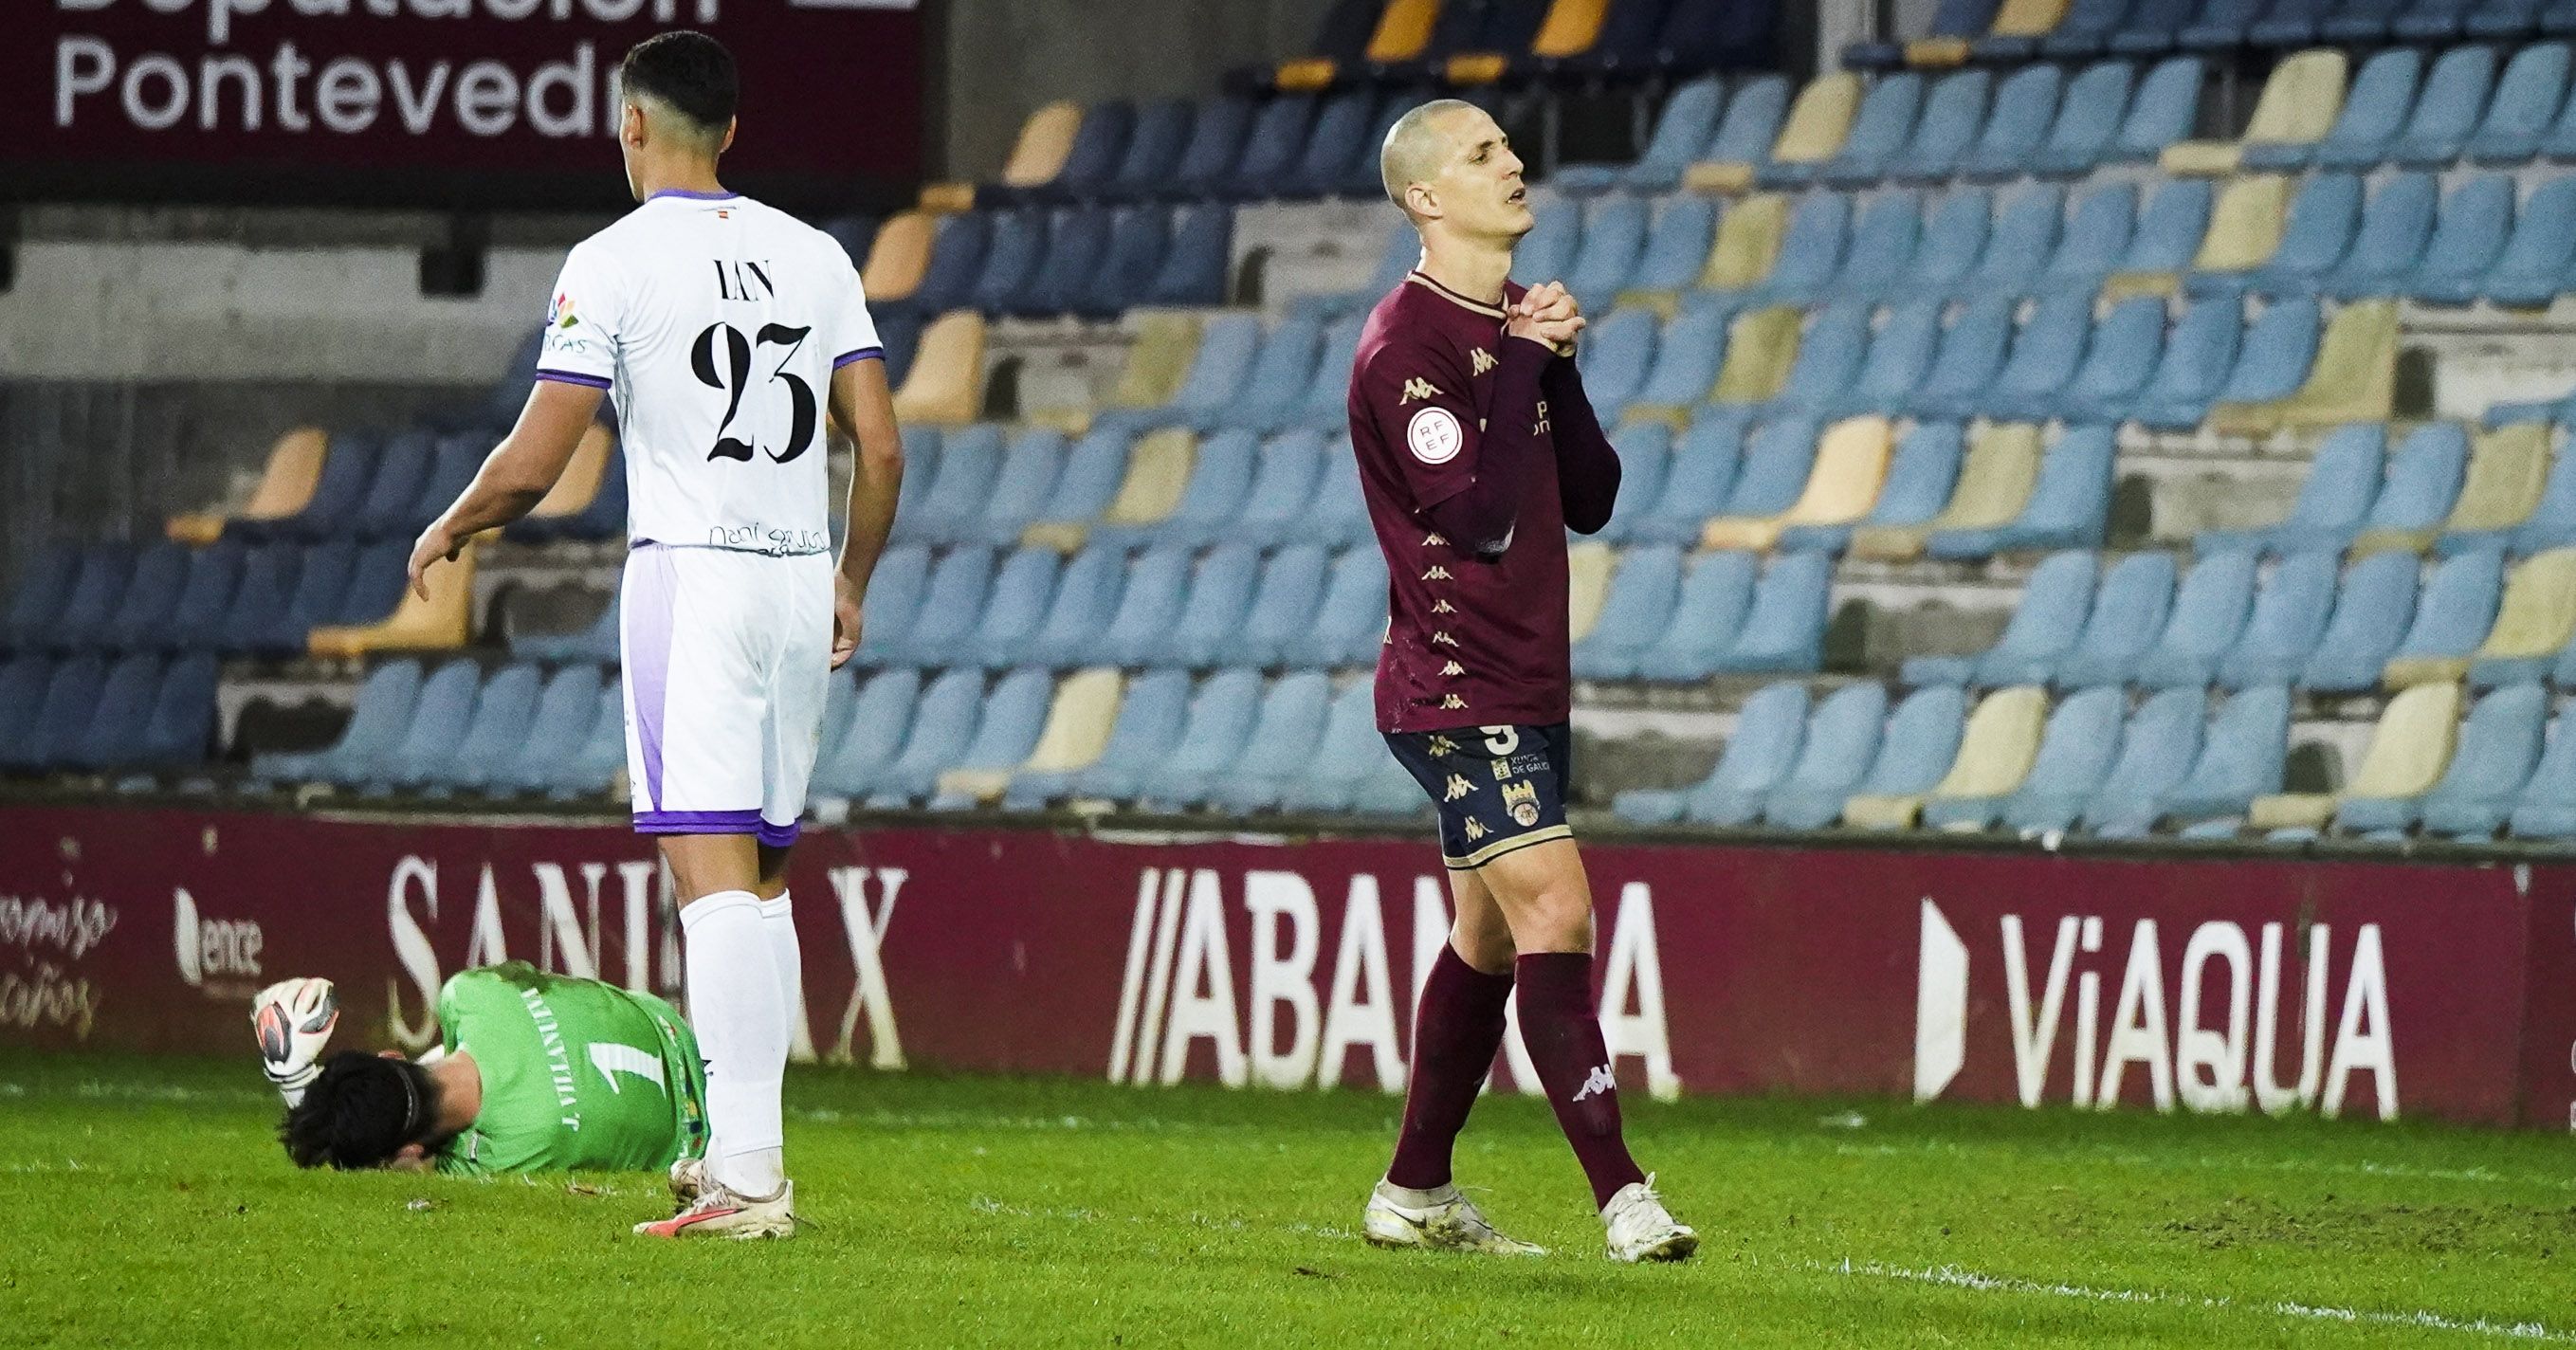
[(730, 334)]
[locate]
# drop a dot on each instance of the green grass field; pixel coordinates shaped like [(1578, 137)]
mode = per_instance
[(152, 1208)]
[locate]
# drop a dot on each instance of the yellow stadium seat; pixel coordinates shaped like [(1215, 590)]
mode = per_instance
[(1403, 29), (946, 383), (573, 493), (1760, 348), (2028, 18), (2409, 749), (1747, 243), (1077, 730), (2354, 379), (1158, 361), (1851, 465), (1819, 120), (1588, 565), (1158, 471), (899, 257), (1995, 754), (2508, 467), (2298, 104), (1570, 28), (442, 621), (2534, 620), (1304, 74), (286, 483), (2245, 225), (1045, 139), (1995, 482)]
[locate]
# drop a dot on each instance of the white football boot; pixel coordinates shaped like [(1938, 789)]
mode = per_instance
[(1448, 1222), (718, 1212), (1640, 1229)]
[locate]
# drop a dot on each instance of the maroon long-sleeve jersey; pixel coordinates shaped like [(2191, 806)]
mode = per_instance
[(1476, 451)]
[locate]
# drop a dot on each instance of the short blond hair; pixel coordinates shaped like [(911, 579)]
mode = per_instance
[(1415, 149)]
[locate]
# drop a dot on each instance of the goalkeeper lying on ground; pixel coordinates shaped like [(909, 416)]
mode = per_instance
[(534, 1073)]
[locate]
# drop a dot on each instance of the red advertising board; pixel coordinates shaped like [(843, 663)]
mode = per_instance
[(460, 101), (2204, 984)]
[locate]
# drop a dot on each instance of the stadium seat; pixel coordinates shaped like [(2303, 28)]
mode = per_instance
[(1676, 247), (1283, 740), (503, 721), (1074, 731), (1286, 476), (379, 612), (1347, 756), (1220, 721), (1828, 359), (1954, 23), (2017, 30), (1784, 626), (1021, 489), (2166, 108), (1744, 137), (2409, 750), (1046, 141), (2534, 623), (1758, 757), (1850, 466), (2083, 31), (1695, 488), (181, 724), (1883, 244), (1918, 746), (1762, 347), (2150, 27), (89, 602), (2169, 232), (1209, 156), (2313, 237), (2119, 358), (2365, 129), (2127, 618), (111, 736), (1276, 382), (1811, 250), (2011, 134), (846, 766), (1748, 242), (1777, 462), (1139, 238), (2097, 235), (944, 722), (1637, 612), (1208, 620), (2043, 630), (945, 385), (1707, 614), (2536, 258), (1953, 114), (2527, 98), (1588, 567), (2085, 127), (2334, 499), (1970, 355), (1015, 251), (2546, 806), (2395, 226), (348, 467), (2245, 231), (196, 616), (1147, 722), (2047, 351), (1284, 606), (2199, 355), (2274, 359), (1085, 599), (44, 585), (1919, 482), (1688, 356), (2499, 748), (955, 262), (2076, 749), (1819, 120), (54, 735), (1900, 354), (2272, 644), (1324, 406), (2209, 614), (144, 606), (2475, 221), (960, 477), (1952, 242), (2507, 473), (1614, 238), (566, 710), (1838, 742), (1340, 514), (2425, 478), (1351, 617), (2449, 110), (1994, 484), (1548, 249), (2298, 105), (1341, 125), (428, 739), (1152, 154), (1023, 591), (286, 482), (2157, 748), (2069, 504), (1682, 127), (944, 622), (894, 600), (1617, 355), (2241, 758), (2371, 614), (1994, 756), (2456, 612), (1220, 474), (569, 508), (2498, 18), (1194, 268), (2354, 377)]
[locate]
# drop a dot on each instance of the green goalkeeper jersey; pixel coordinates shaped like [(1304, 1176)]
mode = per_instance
[(577, 1074)]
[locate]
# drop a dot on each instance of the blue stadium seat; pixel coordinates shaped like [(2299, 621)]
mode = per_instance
[(1093, 470), (2047, 351), (1921, 742), (1348, 752), (1209, 156), (1829, 357), (1971, 354), (1022, 486), (1645, 452), (1784, 627), (2371, 615), (2279, 347), (1961, 19), (2069, 506), (893, 600), (847, 766), (1841, 738), (1090, 163), (1023, 592), (2026, 107), (196, 619), (269, 575), (1707, 615), (1687, 357), (43, 588), (2319, 228), (1350, 618), (1341, 125), (2075, 753), (2498, 18), (1283, 609), (2273, 643), (2424, 480), (181, 724), (1614, 236), (2527, 99), (348, 472), (2082, 33), (2458, 607), (565, 711), (112, 736), (430, 738), (1953, 114), (504, 717), (1696, 488), (1617, 355), (2499, 747), (2360, 20), (969, 463), (944, 720), (2365, 131), (2042, 631), (52, 736), (1687, 120), (1227, 346), (1751, 123), (2166, 108), (2097, 236), (1205, 625), (2169, 232), (1203, 738), (2476, 218), (1758, 758), (1077, 240), (2200, 352), (2546, 807), (1285, 478), (1275, 384), (899, 331), (2209, 612), (1920, 477), (1014, 715), (2395, 226), (1195, 267), (1011, 257), (151, 594), (1150, 711), (1777, 462), (957, 248), (1220, 722), (952, 602), (2151, 27), (2449, 110), (1546, 251), (1086, 597), (1211, 501), (377, 580), (2535, 263), (106, 570), (2288, 23), (1882, 247), (2156, 749), (324, 584), (1325, 404), (1811, 250), (2086, 124), (1637, 611), (2128, 616), (2241, 758), (1277, 135), (2342, 482), (2552, 523), (1900, 354), (1282, 742), (1878, 133), (2118, 360), (1953, 238), (2027, 229), (1153, 150), (1340, 515), (1676, 245)]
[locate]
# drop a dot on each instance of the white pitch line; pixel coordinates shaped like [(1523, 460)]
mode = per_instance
[(1953, 1277)]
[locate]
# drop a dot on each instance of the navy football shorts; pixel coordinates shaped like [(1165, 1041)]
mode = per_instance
[(1498, 788)]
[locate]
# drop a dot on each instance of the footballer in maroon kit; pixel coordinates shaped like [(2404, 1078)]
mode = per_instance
[(1477, 451)]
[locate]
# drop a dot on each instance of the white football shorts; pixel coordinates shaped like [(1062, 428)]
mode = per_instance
[(728, 659)]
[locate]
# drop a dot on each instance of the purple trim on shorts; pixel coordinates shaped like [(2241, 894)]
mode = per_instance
[(862, 354), (693, 196), (717, 822), (648, 659), (574, 377)]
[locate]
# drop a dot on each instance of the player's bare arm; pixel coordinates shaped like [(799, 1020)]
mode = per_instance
[(517, 475), (863, 410)]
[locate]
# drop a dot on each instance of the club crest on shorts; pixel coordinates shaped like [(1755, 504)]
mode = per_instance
[(1434, 435), (1521, 799)]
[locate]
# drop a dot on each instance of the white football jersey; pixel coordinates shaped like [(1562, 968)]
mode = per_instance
[(716, 322)]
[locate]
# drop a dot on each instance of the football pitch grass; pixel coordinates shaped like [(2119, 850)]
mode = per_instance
[(152, 1207)]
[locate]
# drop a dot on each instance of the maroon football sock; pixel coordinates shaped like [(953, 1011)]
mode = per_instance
[(1563, 1032), (1457, 1027)]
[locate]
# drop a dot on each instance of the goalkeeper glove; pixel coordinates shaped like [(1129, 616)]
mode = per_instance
[(293, 1019)]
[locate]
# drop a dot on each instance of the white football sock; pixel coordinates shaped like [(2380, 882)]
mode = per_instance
[(778, 922), (734, 1005)]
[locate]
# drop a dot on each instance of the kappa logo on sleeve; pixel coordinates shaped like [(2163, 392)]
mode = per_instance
[(1434, 435), (1417, 390)]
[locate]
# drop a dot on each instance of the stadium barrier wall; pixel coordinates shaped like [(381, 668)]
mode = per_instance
[(2368, 989)]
